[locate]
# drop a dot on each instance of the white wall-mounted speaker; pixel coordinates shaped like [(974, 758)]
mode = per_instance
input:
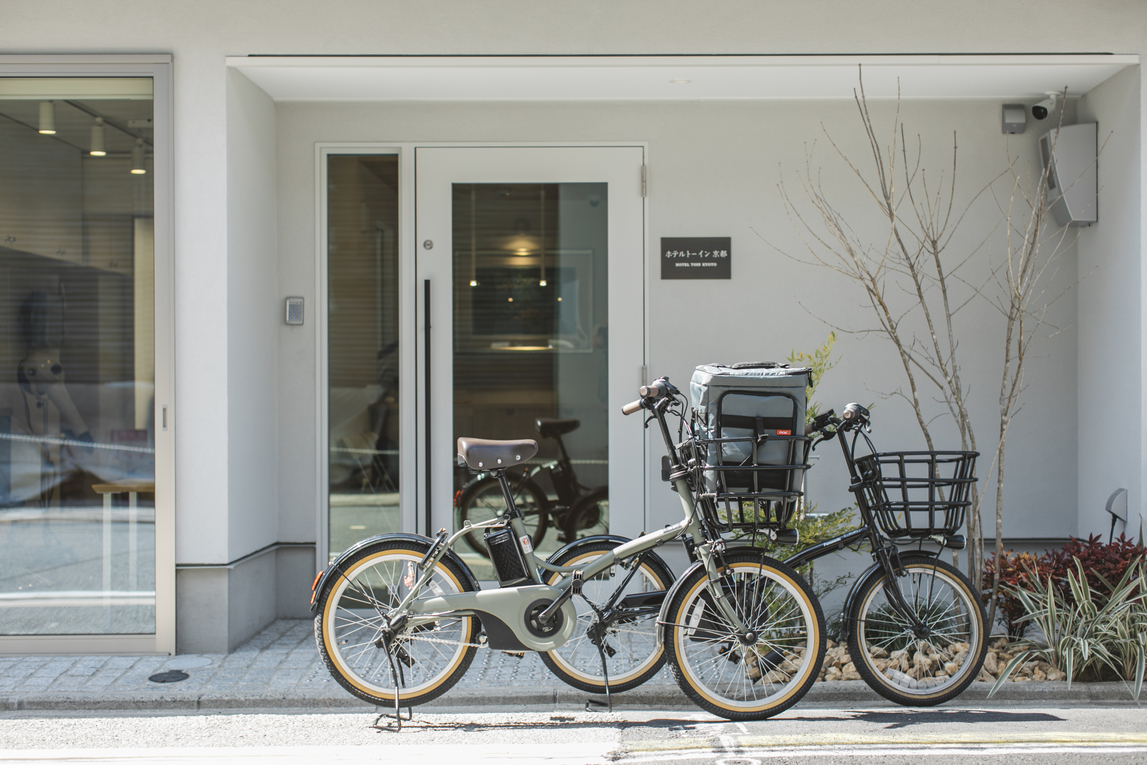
[(1072, 188)]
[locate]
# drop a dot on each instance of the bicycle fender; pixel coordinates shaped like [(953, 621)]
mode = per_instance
[(611, 538), (870, 573), (321, 580), (669, 596), (849, 601)]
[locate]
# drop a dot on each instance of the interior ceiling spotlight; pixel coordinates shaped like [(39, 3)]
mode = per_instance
[(47, 117), (541, 282), (137, 158), (97, 144)]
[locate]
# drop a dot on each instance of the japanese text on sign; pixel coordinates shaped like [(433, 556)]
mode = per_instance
[(696, 258)]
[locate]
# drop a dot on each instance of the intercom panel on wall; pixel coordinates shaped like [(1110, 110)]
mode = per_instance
[(1072, 188)]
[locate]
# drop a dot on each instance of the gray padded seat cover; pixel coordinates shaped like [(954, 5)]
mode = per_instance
[(484, 454), (552, 428)]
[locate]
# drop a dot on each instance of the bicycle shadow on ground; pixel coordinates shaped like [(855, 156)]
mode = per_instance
[(386, 724), (893, 719)]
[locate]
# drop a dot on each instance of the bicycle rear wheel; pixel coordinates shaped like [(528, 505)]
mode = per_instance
[(764, 676), (896, 663), (630, 644), (431, 657)]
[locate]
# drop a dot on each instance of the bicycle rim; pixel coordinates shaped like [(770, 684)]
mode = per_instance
[(755, 681), (430, 657), (914, 671)]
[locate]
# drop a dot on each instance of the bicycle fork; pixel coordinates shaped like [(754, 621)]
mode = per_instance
[(889, 559)]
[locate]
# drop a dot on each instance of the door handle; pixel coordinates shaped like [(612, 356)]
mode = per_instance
[(426, 398)]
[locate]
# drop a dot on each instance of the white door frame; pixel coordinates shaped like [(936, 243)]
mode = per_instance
[(159, 68), (437, 168), (622, 386)]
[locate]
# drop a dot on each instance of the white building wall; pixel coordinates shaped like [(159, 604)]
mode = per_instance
[(1111, 290), (254, 316)]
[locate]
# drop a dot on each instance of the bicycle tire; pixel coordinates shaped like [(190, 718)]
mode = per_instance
[(353, 604), (637, 656), (483, 500), (731, 679), (887, 655), (589, 515)]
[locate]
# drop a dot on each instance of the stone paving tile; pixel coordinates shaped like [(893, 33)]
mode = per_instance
[(279, 662)]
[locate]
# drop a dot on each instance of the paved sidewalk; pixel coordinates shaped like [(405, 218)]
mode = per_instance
[(280, 669)]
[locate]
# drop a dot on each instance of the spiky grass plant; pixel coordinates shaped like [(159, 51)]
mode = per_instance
[(1096, 633)]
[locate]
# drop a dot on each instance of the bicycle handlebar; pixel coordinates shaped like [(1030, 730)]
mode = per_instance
[(656, 389), (659, 388), (855, 415)]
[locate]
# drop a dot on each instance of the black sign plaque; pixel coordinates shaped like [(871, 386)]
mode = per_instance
[(696, 258)]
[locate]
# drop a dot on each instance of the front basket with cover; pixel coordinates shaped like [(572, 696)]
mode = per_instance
[(749, 423)]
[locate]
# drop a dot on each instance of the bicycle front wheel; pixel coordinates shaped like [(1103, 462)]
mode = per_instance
[(773, 666), (630, 644), (911, 670), (429, 657)]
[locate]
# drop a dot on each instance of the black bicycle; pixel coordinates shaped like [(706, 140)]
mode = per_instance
[(576, 511), (915, 626)]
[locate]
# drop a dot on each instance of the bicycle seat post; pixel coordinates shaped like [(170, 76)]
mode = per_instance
[(507, 494)]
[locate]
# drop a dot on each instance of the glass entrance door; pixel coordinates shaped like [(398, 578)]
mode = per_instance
[(529, 268)]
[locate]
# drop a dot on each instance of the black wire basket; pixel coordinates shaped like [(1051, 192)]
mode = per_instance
[(917, 494), (747, 496)]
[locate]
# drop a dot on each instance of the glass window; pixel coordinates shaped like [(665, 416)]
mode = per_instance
[(362, 279), (77, 357), (530, 354)]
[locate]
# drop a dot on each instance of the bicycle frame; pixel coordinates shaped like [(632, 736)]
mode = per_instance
[(507, 604)]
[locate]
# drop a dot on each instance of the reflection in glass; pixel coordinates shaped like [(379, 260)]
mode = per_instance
[(362, 277), (530, 335), (77, 358)]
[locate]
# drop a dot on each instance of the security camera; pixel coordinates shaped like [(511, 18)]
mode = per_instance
[(1044, 107)]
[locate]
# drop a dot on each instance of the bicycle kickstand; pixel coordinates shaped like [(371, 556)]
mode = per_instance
[(399, 683), (593, 704)]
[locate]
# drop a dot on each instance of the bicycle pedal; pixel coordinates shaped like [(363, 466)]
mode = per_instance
[(515, 654)]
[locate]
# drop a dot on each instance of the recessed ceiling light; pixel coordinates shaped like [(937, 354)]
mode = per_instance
[(680, 82)]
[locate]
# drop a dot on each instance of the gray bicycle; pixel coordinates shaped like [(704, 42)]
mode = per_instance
[(399, 617)]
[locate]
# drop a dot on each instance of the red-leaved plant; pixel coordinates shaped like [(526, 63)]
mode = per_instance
[(1104, 564)]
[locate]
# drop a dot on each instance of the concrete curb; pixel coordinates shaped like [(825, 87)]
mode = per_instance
[(651, 696)]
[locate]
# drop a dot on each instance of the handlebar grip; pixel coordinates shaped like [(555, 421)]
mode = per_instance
[(655, 389), (855, 414), (631, 407)]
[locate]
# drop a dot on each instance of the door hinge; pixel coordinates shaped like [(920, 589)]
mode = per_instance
[(644, 181)]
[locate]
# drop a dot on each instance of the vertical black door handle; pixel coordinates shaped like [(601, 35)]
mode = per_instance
[(426, 382)]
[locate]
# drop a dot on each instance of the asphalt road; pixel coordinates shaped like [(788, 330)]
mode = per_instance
[(808, 735)]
